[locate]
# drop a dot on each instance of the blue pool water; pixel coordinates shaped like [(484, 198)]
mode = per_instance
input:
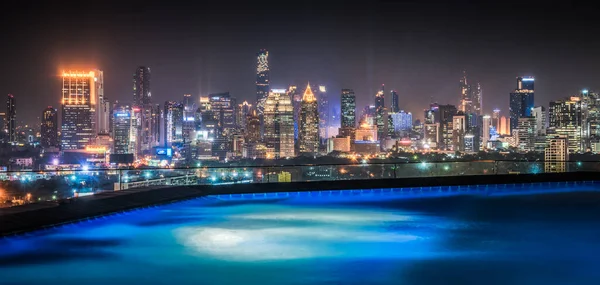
[(534, 239)]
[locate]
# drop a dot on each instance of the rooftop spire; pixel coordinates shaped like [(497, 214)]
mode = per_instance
[(308, 94)]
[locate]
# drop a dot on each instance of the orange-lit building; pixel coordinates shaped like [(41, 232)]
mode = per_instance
[(82, 93)]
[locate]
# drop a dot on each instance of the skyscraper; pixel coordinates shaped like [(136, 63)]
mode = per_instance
[(147, 125), (173, 121), (80, 98), (539, 112), (122, 130), (324, 112), (309, 123), (486, 130), (262, 79), (279, 123), (395, 108), (446, 114), (477, 94), (243, 113), (466, 95), (568, 118), (49, 128), (380, 117), (348, 107), (141, 86), (496, 120), (11, 118), (521, 101)]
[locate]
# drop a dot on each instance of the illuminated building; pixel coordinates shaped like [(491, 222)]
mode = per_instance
[(279, 123), (431, 135), (222, 108), (367, 147), (592, 101), (324, 112), (539, 113), (568, 117), (296, 96), (380, 117), (466, 95), (243, 112), (496, 120), (81, 92), (148, 126), (173, 121), (521, 101), (308, 138), (262, 79), (459, 130), (49, 128), (469, 143), (485, 137), (11, 118), (527, 132), (252, 128), (445, 114), (395, 107), (123, 126), (341, 144), (366, 132), (402, 121), (556, 155), (504, 126), (348, 106), (477, 94)]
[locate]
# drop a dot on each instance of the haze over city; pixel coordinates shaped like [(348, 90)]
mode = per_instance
[(418, 49)]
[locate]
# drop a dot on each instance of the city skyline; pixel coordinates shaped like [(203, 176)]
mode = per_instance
[(420, 61)]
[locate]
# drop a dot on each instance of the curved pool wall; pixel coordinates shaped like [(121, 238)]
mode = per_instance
[(327, 237)]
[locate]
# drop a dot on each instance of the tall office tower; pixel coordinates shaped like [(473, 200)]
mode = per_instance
[(459, 130), (296, 96), (252, 131), (11, 118), (80, 95), (487, 123), (309, 123), (188, 105), (556, 155), (262, 79), (155, 124), (348, 106), (147, 125), (222, 107), (243, 111), (395, 107), (380, 117), (279, 123), (49, 128), (123, 126), (324, 113), (432, 114), (431, 135), (141, 87), (539, 113), (527, 128), (496, 120), (521, 101), (446, 114), (101, 118), (173, 121), (348, 114), (504, 126), (568, 117), (477, 94), (466, 95)]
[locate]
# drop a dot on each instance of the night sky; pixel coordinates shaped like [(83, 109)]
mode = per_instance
[(416, 47)]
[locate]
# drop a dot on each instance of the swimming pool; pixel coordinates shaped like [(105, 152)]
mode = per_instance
[(533, 239)]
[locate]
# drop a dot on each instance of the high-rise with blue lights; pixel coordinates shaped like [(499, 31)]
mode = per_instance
[(521, 100), (348, 107), (122, 128)]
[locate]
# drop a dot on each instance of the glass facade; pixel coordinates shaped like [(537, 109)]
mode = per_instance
[(348, 108)]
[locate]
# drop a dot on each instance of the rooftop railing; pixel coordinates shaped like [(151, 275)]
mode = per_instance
[(22, 187)]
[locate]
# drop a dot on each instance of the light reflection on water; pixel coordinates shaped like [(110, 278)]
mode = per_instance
[(443, 241)]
